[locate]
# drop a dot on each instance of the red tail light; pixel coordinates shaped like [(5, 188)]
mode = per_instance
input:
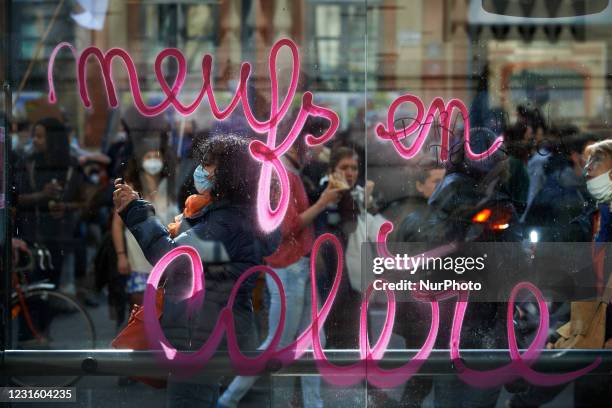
[(482, 216), (497, 219)]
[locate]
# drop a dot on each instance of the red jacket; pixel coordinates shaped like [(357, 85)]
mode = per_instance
[(296, 241)]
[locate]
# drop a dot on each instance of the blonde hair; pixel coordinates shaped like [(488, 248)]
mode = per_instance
[(604, 147)]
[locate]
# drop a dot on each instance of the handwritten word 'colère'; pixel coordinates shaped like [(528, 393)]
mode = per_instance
[(367, 367)]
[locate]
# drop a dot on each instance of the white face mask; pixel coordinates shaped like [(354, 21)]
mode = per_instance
[(152, 166), (121, 136), (600, 187), (14, 141), (94, 178)]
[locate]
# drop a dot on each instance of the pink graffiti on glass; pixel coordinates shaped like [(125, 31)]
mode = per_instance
[(367, 366), (423, 128), (381, 247), (520, 364), (267, 153)]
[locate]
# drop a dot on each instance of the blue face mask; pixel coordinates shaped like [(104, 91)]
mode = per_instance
[(200, 179)]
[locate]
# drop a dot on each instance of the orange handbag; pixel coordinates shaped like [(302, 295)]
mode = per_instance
[(133, 336)]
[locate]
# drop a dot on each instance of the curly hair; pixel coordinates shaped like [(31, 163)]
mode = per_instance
[(237, 173)]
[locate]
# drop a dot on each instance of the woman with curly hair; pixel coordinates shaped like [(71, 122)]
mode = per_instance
[(227, 237)]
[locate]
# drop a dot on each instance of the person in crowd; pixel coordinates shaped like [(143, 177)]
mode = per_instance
[(427, 179), (393, 196), (120, 150), (341, 219), (577, 147), (317, 160), (355, 135), (49, 196), (18, 135), (517, 147), (227, 236), (291, 263), (18, 245), (147, 173), (578, 156), (536, 135), (466, 187), (183, 135), (342, 172), (562, 195), (99, 204), (534, 121), (588, 140), (412, 327), (82, 155), (590, 323)]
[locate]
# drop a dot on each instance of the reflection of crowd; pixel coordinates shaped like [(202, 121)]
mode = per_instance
[(180, 184), (50, 194), (547, 184)]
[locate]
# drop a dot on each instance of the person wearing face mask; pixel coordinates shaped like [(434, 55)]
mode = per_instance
[(596, 223), (228, 239), (590, 322), (195, 203), (149, 175), (15, 142), (598, 172)]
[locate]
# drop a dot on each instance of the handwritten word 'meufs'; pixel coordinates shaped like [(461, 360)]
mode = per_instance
[(390, 132), (367, 366), (267, 153)]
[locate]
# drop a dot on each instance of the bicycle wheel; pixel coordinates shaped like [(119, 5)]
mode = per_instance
[(47, 320)]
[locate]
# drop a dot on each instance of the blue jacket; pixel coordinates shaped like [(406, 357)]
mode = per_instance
[(227, 239)]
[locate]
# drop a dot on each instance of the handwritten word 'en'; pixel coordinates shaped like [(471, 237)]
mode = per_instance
[(367, 366), (423, 128), (267, 153)]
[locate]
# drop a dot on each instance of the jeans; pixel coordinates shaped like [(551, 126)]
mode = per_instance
[(296, 282)]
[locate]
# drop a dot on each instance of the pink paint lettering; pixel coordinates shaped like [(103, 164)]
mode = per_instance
[(267, 153), (423, 128), (367, 366)]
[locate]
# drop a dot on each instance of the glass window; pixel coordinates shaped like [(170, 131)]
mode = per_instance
[(428, 183)]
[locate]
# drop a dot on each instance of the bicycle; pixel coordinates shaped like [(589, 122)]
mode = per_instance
[(45, 319)]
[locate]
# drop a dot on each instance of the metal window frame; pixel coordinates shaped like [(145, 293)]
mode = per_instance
[(147, 363), (5, 241)]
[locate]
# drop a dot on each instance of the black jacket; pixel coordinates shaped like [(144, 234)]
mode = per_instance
[(228, 240)]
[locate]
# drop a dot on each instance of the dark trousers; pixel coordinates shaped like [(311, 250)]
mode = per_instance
[(188, 395), (589, 391)]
